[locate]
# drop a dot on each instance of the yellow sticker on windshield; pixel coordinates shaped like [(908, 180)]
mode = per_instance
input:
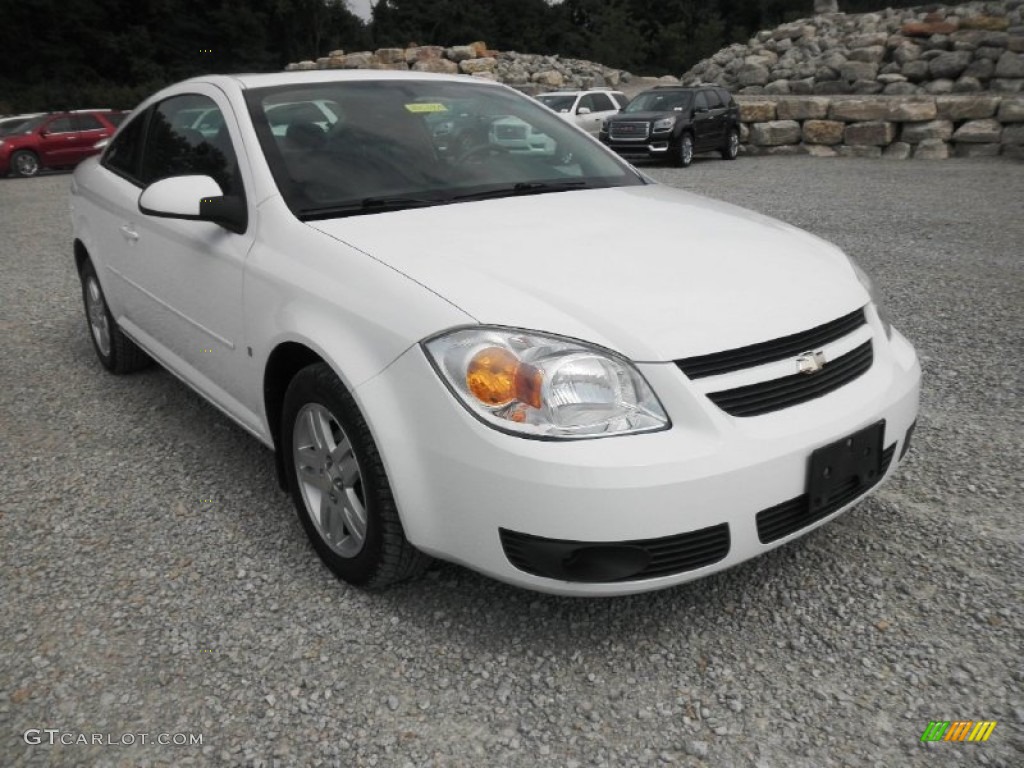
[(422, 107)]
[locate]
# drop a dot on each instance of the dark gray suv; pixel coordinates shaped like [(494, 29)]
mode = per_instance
[(674, 122)]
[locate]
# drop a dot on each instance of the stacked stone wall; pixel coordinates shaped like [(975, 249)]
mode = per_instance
[(924, 127)]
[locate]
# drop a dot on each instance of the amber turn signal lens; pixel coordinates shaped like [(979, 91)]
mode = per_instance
[(496, 377)]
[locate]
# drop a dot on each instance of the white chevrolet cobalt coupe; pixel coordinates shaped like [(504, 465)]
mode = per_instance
[(539, 364)]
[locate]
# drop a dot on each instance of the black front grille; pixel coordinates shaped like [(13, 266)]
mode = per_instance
[(634, 130), (790, 516), (773, 395), (770, 351), (583, 561)]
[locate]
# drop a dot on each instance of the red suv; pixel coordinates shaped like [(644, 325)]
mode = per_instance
[(56, 140)]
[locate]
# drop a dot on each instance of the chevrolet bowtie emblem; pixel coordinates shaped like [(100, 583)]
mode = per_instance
[(810, 362)]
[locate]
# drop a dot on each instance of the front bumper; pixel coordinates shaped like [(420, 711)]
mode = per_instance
[(467, 492), (655, 146)]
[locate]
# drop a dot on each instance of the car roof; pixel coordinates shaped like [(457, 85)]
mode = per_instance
[(582, 90), (311, 77)]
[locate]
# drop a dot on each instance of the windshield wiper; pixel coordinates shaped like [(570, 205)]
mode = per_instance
[(526, 188), (368, 205), (382, 204)]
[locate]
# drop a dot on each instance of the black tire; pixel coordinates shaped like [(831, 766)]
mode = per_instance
[(25, 163), (731, 150), (118, 353), (384, 555), (684, 151)]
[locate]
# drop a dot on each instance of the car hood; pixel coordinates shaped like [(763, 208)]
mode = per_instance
[(653, 272), (641, 116)]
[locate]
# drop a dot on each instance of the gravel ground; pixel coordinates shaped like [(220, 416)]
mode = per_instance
[(156, 581)]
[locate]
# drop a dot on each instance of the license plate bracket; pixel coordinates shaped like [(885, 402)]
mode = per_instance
[(851, 464)]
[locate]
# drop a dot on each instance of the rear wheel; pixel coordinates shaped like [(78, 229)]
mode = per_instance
[(732, 145), (116, 352), (25, 163), (339, 486), (684, 154)]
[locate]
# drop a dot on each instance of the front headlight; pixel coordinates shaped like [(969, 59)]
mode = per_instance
[(536, 385), (664, 124), (869, 286)]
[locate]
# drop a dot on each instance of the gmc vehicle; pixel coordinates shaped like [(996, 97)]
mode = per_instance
[(675, 122)]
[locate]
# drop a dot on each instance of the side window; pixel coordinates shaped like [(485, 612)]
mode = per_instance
[(713, 101), (175, 148), (123, 155), (586, 101), (60, 125), (726, 98), (602, 102), (88, 123), (700, 102), (621, 98)]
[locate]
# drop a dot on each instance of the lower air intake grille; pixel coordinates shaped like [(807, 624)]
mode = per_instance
[(790, 516), (583, 561), (768, 396)]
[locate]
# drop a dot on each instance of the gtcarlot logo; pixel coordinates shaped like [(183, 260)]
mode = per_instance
[(55, 736)]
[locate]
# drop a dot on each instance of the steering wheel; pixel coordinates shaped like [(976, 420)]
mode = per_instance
[(479, 153)]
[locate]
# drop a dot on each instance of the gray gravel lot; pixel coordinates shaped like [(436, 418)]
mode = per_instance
[(155, 580)]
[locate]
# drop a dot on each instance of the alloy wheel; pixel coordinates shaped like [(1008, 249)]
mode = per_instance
[(26, 164), (330, 481)]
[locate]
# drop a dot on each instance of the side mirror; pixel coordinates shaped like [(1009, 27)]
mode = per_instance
[(194, 198), (701, 110), (583, 111)]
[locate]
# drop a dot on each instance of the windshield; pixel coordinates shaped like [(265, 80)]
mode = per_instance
[(659, 101), (559, 103), (355, 147), (21, 126)]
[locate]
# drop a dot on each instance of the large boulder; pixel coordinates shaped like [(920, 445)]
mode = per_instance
[(915, 133), (928, 28), (931, 149), (774, 133), (984, 22), (874, 133), (912, 110), (856, 110), (852, 71), (1010, 65), (802, 108), (979, 132), (475, 66), (974, 107), (823, 131), (949, 64), (757, 111), (1011, 110), (753, 74), (439, 66)]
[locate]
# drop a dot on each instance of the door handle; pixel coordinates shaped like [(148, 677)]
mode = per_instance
[(128, 233)]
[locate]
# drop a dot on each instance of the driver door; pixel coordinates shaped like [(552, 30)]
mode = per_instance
[(186, 276)]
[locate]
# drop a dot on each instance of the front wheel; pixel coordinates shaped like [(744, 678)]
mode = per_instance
[(732, 145), (684, 155), (339, 486), (25, 163)]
